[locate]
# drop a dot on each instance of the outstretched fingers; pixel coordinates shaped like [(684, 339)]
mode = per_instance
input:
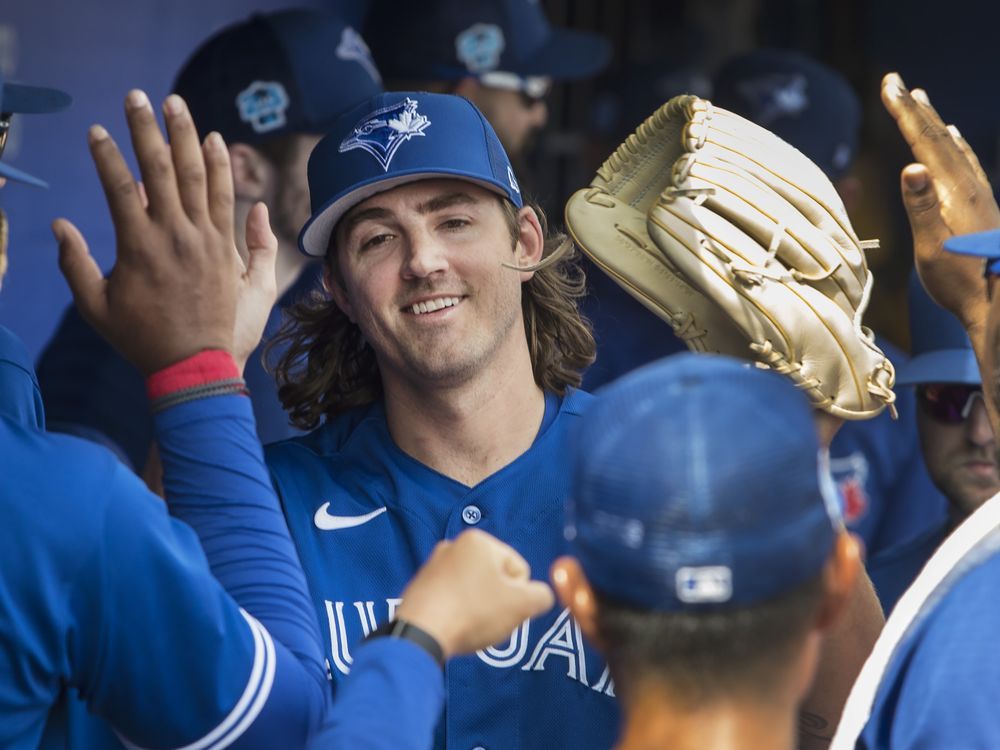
[(125, 198), (219, 173), (186, 153), (153, 156)]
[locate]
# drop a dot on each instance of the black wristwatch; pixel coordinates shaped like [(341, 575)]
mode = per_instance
[(410, 632)]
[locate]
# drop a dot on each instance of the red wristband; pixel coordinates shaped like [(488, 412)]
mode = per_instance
[(201, 369)]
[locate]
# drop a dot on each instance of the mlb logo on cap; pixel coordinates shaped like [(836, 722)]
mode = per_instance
[(393, 139), (712, 583)]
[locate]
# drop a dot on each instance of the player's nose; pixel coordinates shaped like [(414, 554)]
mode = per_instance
[(977, 426), (426, 255)]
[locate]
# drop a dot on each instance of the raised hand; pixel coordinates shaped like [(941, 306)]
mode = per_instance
[(945, 194), (178, 280), (472, 593)]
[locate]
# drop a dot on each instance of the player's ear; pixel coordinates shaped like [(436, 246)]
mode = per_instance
[(574, 592), (530, 241), (252, 172), (840, 577)]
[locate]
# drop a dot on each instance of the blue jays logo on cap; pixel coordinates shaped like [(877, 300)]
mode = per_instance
[(353, 47), (263, 105), (776, 96), (479, 47), (383, 131)]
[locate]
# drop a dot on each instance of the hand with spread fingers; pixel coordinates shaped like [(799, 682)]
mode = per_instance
[(945, 194), (178, 285), (472, 592)]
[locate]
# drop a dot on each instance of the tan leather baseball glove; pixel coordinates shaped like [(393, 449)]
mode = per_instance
[(742, 244)]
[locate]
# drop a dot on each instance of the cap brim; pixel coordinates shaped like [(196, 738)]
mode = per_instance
[(942, 366), (314, 239), (17, 175), (980, 244), (567, 54), (17, 97)]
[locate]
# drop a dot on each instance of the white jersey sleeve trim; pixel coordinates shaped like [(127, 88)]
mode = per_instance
[(250, 704)]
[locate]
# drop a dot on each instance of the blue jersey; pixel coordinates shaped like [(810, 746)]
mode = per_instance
[(940, 686), (364, 515)]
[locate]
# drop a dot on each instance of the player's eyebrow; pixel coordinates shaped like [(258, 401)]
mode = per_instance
[(349, 222), (448, 200), (437, 203)]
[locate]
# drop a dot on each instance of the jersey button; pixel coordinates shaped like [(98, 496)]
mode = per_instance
[(472, 515)]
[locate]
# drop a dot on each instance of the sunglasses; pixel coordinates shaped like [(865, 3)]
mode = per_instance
[(5, 118), (949, 403), (532, 89)]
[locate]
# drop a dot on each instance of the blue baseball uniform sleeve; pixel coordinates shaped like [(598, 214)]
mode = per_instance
[(104, 592), (388, 674), (941, 685)]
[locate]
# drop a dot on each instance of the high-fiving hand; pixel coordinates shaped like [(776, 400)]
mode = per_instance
[(178, 285)]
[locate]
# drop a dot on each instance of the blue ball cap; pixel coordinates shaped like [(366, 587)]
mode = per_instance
[(981, 244), (942, 352), (396, 138), (17, 98), (698, 482), (453, 39), (291, 71), (801, 100)]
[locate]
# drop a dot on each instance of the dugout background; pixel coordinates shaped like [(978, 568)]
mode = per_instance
[(98, 50)]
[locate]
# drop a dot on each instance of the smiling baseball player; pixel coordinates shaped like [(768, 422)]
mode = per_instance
[(444, 371)]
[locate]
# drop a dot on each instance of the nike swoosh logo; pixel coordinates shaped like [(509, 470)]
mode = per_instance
[(328, 522)]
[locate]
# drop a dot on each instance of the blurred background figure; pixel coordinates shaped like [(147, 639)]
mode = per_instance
[(502, 55), (705, 580), (956, 439), (270, 85)]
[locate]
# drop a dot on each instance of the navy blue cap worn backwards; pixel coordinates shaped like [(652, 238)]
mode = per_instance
[(396, 138), (698, 482), (16, 98), (452, 39), (981, 244), (942, 352), (802, 101), (293, 71)]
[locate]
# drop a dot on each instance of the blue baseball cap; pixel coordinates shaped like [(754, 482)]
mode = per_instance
[(941, 350), (293, 71), (453, 39), (16, 98), (981, 244), (802, 101), (698, 483), (395, 138)]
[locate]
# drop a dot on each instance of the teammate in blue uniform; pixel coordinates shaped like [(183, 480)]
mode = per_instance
[(444, 366), (956, 437), (707, 583), (270, 85), (103, 593), (445, 375)]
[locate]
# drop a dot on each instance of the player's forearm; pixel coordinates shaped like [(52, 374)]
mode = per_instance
[(216, 481), (845, 648)]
